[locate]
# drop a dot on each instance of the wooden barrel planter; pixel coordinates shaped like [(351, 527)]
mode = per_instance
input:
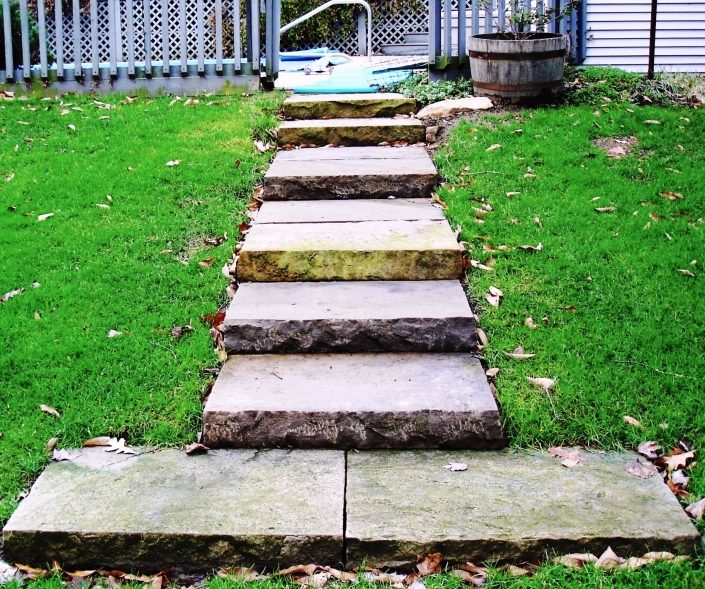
[(517, 68)]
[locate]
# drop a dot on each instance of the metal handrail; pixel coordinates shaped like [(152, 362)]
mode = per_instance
[(323, 7)]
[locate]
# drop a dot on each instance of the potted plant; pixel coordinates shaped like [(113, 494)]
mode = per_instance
[(521, 60)]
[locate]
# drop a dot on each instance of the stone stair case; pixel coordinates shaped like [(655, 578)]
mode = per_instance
[(350, 331)]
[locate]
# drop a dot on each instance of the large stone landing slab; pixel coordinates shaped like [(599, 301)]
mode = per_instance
[(370, 250), (350, 173), (355, 316), (351, 131), (164, 508), (327, 106), (506, 505), (352, 401)]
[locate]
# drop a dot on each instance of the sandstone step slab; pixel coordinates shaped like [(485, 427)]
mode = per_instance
[(363, 401), (510, 506), (349, 211), (369, 250), (350, 173), (351, 106), (308, 317), (164, 508), (351, 131)]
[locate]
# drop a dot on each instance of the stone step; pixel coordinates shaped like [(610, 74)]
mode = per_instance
[(164, 509), (308, 317), (350, 173), (369, 250), (351, 131), (352, 401), (505, 506), (349, 211), (347, 106)]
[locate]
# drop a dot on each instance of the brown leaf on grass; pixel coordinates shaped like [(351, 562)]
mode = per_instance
[(480, 266), (605, 209), (686, 272), (429, 564), (196, 448), (652, 122), (471, 578), (512, 193), (49, 410), (569, 458), (492, 372), (519, 354), (494, 296), (217, 240), (575, 561), (32, 572), (609, 560), (51, 444), (80, 574), (530, 323), (493, 147), (677, 490), (677, 461), (650, 450), (173, 163), (643, 470), (696, 510), (633, 563), (668, 195), (180, 331), (13, 293), (679, 478), (96, 442), (241, 574), (531, 248), (495, 248), (207, 263), (515, 571), (571, 308), (628, 419), (544, 383), (658, 556), (214, 320), (482, 336), (299, 570)]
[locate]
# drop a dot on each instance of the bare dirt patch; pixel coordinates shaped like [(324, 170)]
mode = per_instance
[(616, 147)]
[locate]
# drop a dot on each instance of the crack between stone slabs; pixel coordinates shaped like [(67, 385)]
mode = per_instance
[(345, 510)]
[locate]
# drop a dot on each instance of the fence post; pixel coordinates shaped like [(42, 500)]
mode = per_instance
[(9, 65), (361, 33), (59, 22), (24, 28)]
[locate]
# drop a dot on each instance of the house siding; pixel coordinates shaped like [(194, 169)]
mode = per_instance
[(618, 35)]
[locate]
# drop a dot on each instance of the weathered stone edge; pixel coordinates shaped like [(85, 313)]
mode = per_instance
[(351, 136), (352, 109), (348, 186)]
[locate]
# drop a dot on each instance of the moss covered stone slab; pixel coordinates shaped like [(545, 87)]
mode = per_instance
[(164, 508), (350, 173), (347, 106), (506, 505), (369, 316), (351, 131), (352, 401), (370, 250)]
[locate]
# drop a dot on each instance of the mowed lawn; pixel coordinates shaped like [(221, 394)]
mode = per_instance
[(121, 252), (617, 296)]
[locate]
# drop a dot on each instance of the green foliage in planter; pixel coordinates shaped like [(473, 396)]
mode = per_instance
[(16, 29), (426, 92)]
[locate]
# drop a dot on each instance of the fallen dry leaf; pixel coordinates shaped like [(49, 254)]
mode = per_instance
[(569, 458), (652, 122), (51, 444), (658, 556), (678, 478), (119, 447), (173, 163), (180, 331), (492, 372), (628, 419), (696, 510), (494, 296), (61, 455), (241, 574), (633, 563), (33, 573), (493, 147), (545, 383), (529, 322), (608, 560), (216, 241), (102, 205), (667, 194), (114, 333), (515, 571), (605, 209), (686, 272), (480, 266), (531, 248), (482, 336), (520, 354), (99, 441), (643, 470), (13, 293), (196, 448), (207, 263), (50, 410), (456, 466), (44, 217), (650, 450), (512, 193), (678, 460), (575, 561)]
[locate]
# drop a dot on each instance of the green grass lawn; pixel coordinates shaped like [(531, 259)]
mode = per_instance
[(130, 265), (618, 326)]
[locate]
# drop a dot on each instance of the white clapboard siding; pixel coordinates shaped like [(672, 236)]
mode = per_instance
[(618, 34)]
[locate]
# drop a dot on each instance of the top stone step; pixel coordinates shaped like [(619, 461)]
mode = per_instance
[(350, 132), (347, 106)]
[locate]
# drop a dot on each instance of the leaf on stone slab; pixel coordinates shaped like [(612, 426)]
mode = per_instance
[(576, 560), (696, 510), (99, 441), (668, 195), (9, 295), (608, 560), (628, 419), (62, 455), (542, 382), (569, 458), (520, 354), (119, 447), (456, 466), (643, 470), (49, 410), (650, 450), (196, 448), (605, 209)]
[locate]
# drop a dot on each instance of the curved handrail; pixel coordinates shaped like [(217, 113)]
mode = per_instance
[(330, 3)]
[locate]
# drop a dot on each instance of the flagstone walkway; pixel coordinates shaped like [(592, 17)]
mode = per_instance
[(350, 331)]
